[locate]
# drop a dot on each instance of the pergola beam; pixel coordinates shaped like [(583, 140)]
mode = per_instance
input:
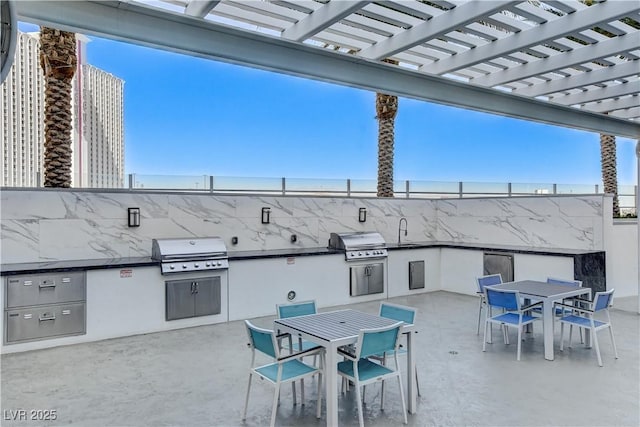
[(433, 28), (613, 72), (593, 95), (321, 19), (200, 8), (154, 28), (540, 34), (584, 54)]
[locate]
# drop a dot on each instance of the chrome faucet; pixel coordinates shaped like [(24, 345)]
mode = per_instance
[(400, 228)]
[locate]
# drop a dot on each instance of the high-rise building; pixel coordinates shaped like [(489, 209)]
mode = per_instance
[(98, 121)]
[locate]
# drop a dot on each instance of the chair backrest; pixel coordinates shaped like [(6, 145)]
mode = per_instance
[(555, 281), (603, 300), (378, 340), (296, 309), (397, 312), (509, 300), (491, 279), (263, 340)]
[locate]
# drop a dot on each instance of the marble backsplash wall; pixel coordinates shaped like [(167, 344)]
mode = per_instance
[(47, 225)]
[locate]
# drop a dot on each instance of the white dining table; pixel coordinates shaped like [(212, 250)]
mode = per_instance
[(548, 293), (338, 328)]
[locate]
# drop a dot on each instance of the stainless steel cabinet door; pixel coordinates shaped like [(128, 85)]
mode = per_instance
[(180, 300), (366, 279), (207, 296)]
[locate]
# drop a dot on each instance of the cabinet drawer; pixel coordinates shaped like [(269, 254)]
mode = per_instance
[(45, 322), (39, 289)]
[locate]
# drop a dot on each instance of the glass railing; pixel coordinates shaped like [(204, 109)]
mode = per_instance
[(627, 194)]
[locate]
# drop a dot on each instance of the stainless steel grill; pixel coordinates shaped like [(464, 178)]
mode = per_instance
[(362, 245), (190, 254)]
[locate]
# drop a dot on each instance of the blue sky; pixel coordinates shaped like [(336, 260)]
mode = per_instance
[(190, 116)]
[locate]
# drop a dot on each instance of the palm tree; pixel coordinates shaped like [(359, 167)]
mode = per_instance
[(609, 169), (386, 110), (58, 61)]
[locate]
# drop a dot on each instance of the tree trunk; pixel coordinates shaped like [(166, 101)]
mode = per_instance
[(609, 169), (386, 109), (58, 61)]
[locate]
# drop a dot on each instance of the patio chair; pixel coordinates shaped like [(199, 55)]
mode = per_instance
[(482, 281), (283, 311), (583, 317), (513, 315), (360, 370), (283, 369), (404, 314), (293, 310), (564, 311)]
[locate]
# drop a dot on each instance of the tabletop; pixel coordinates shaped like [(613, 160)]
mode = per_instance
[(540, 289), (334, 325)]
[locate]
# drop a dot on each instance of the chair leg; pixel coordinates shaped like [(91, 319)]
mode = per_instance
[(274, 408), (404, 406), (479, 315), (613, 341), (595, 343), (417, 382), (561, 336), (484, 341), (519, 341), (302, 392), (359, 403), (570, 335), (246, 400)]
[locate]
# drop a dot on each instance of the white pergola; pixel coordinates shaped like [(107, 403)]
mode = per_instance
[(557, 62)]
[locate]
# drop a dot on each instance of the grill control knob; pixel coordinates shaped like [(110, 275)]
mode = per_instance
[(207, 264), (368, 253), (196, 265), (172, 267), (218, 263), (184, 265), (359, 253)]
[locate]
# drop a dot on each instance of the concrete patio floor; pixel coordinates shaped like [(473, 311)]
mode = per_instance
[(198, 377)]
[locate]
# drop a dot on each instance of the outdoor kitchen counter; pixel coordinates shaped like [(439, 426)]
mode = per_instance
[(130, 262)]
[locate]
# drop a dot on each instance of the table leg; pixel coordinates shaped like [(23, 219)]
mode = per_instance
[(547, 319), (331, 385), (411, 376)]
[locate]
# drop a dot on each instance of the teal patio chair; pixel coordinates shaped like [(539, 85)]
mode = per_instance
[(481, 282), (286, 342), (584, 317), (360, 370), (513, 315), (282, 369), (302, 308), (401, 313)]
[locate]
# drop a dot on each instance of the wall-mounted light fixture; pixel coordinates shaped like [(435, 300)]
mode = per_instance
[(291, 295), (362, 214), (133, 217), (266, 215)]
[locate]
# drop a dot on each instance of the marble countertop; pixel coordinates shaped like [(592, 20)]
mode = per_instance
[(96, 264)]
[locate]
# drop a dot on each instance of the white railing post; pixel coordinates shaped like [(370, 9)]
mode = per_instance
[(406, 185), (348, 187), (460, 189), (284, 186)]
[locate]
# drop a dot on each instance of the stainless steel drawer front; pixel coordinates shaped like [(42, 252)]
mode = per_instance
[(45, 322), (54, 288)]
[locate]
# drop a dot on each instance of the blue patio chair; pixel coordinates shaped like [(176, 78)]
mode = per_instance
[(360, 370), (404, 314), (513, 315), (283, 311), (282, 370), (482, 281), (584, 317)]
